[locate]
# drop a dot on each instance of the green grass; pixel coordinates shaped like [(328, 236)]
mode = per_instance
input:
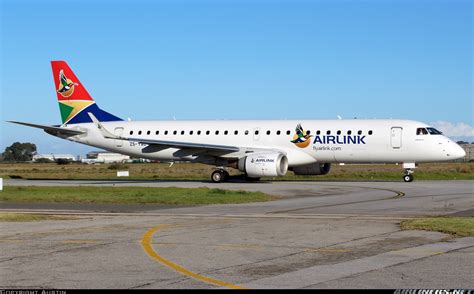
[(129, 195), (25, 217), (458, 226)]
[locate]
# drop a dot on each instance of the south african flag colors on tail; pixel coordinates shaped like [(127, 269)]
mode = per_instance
[(74, 100)]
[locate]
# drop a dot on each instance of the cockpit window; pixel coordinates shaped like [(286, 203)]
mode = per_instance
[(421, 131), (434, 131)]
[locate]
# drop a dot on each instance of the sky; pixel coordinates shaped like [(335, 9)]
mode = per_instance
[(239, 60)]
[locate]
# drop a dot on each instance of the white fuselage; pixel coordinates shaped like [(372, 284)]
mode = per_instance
[(332, 141)]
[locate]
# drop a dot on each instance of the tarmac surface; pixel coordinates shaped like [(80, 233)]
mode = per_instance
[(318, 235)]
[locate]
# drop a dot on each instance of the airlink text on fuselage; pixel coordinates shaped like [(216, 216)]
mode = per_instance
[(339, 140)]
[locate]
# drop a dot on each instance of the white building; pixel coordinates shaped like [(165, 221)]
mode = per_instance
[(105, 157)]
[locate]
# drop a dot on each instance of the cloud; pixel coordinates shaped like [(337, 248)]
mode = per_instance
[(454, 129)]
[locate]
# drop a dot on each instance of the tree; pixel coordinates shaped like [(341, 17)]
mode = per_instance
[(19, 152)]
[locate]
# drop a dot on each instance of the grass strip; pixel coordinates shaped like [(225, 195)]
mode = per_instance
[(458, 226), (26, 217), (129, 195)]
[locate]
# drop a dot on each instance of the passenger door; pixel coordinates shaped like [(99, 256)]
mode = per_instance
[(396, 137)]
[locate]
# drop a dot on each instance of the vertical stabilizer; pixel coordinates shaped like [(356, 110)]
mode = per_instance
[(74, 100)]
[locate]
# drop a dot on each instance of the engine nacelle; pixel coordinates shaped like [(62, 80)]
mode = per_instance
[(312, 169), (257, 165)]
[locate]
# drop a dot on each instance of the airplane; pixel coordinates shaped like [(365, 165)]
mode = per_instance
[(257, 148)]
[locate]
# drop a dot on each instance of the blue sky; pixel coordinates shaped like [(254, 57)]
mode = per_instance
[(239, 60)]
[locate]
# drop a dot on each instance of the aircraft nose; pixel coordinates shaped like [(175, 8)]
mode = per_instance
[(457, 151)]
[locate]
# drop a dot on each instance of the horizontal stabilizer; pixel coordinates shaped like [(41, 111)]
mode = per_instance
[(51, 129)]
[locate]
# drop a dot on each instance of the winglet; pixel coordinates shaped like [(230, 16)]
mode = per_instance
[(102, 129)]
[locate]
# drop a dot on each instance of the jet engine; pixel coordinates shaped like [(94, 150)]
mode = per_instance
[(312, 169), (257, 165)]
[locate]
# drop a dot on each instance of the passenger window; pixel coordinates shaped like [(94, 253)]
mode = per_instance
[(370, 132), (131, 132), (359, 132), (328, 133), (217, 132), (308, 132), (349, 132), (236, 132), (208, 132), (148, 132), (139, 132), (256, 132), (246, 132), (226, 132), (191, 132), (166, 132), (278, 132), (318, 132), (175, 132), (199, 132), (182, 132), (157, 132), (338, 132), (288, 132), (268, 132)]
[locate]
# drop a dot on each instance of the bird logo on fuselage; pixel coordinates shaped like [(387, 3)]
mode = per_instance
[(66, 86), (301, 138)]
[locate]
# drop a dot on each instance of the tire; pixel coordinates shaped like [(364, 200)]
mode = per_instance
[(408, 178), (226, 176), (218, 176)]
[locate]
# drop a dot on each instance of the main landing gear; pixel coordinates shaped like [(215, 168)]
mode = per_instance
[(219, 175), (409, 170)]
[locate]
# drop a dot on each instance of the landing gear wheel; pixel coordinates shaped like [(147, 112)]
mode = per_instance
[(219, 176), (408, 178)]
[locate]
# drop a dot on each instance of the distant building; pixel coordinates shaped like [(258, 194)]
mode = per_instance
[(105, 157), (469, 148), (54, 157)]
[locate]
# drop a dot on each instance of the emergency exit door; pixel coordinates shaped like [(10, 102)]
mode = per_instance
[(118, 132), (256, 134)]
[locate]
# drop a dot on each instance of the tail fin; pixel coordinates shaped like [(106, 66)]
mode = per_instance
[(74, 100)]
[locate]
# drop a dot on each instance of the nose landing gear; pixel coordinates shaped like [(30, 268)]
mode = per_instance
[(409, 170), (408, 178)]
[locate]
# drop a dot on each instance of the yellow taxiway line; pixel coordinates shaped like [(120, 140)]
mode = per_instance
[(148, 248)]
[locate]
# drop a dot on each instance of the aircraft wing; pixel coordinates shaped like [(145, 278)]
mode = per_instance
[(174, 144), (163, 143), (56, 131)]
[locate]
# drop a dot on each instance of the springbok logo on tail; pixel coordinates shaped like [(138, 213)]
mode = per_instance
[(66, 86)]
